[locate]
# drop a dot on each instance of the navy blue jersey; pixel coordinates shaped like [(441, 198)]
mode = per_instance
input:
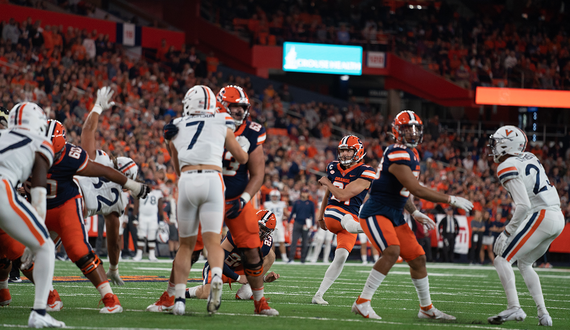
[(236, 176), (387, 195), (341, 178), (60, 185), (233, 258)]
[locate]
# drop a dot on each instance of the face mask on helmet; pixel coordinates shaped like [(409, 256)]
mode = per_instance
[(351, 143), (4, 113), (236, 102), (267, 222), (56, 133), (275, 195), (507, 140), (407, 129)]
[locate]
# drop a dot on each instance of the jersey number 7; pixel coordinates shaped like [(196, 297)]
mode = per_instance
[(197, 134)]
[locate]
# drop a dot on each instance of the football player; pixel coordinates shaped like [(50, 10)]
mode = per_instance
[(347, 182), (25, 151), (382, 217), (101, 196), (4, 113), (242, 182), (537, 220), (196, 142), (64, 217), (279, 208), (150, 213)]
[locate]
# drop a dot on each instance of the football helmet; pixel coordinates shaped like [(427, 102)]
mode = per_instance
[(56, 133), (507, 140), (351, 142), (4, 113), (199, 100), (275, 195), (267, 222), (29, 116), (163, 232), (408, 129), (235, 95), (128, 167)]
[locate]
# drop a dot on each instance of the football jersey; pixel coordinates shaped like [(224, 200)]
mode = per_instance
[(18, 149), (201, 138), (100, 195), (541, 193), (60, 184), (233, 258), (277, 208), (149, 205), (236, 176), (340, 178), (387, 195)]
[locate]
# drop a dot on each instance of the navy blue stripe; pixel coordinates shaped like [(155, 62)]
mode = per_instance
[(16, 115), (378, 229), (506, 175), (126, 165), (330, 215), (206, 273), (39, 225), (519, 235), (205, 98), (230, 122), (79, 210), (100, 152), (48, 149)]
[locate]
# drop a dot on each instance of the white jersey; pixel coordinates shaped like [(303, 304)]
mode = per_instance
[(100, 195), (201, 138), (149, 206), (18, 149), (277, 208), (541, 193)]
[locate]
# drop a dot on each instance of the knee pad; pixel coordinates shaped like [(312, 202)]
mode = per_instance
[(89, 263), (4, 263), (252, 269)]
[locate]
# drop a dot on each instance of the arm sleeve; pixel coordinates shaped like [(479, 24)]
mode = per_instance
[(229, 272), (518, 192)]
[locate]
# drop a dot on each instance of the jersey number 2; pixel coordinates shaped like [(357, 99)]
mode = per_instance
[(536, 190), (197, 134), (341, 186)]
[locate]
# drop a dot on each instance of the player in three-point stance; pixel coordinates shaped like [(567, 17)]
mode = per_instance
[(536, 222), (347, 182), (25, 151), (196, 142), (382, 217)]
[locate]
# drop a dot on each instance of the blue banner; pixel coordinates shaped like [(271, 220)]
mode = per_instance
[(322, 58)]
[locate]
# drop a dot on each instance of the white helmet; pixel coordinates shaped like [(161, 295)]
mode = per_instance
[(163, 232), (275, 193), (128, 167), (29, 116), (507, 140), (198, 100)]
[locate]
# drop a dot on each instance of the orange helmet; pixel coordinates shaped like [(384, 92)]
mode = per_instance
[(408, 129), (267, 222), (351, 142), (56, 133), (235, 95)]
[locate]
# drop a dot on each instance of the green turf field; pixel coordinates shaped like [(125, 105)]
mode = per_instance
[(471, 293)]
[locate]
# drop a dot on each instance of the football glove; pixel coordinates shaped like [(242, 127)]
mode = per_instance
[(104, 96), (243, 142), (236, 207), (500, 244), (27, 259), (114, 277), (170, 130), (461, 203), (423, 219), (139, 190)]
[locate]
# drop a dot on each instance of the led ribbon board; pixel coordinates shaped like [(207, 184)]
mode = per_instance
[(541, 98), (322, 58)]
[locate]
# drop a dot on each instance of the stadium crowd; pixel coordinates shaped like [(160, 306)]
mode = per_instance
[(62, 70)]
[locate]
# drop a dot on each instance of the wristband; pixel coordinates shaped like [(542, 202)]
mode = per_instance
[(97, 108), (246, 197), (239, 278), (414, 213), (264, 276)]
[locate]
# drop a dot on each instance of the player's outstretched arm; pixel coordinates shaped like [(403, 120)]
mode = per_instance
[(352, 189), (93, 169), (419, 216), (102, 103), (404, 174), (235, 148)]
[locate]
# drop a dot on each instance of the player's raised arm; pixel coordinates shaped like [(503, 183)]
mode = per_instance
[(93, 169), (102, 103), (238, 151)]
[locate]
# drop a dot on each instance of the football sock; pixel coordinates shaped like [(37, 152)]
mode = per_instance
[(327, 252), (104, 288), (180, 290), (507, 277), (333, 271), (171, 289), (151, 254), (284, 256), (216, 271), (42, 312), (376, 257), (372, 283), (4, 284), (533, 284), (43, 274), (422, 287), (191, 292), (364, 257), (257, 294)]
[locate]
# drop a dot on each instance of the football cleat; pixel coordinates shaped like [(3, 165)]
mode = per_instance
[(363, 307), (319, 300), (511, 314), (114, 277), (434, 314), (5, 297), (179, 308), (54, 303), (545, 320), (215, 297), (43, 321), (244, 293), (262, 308), (112, 304), (164, 304)]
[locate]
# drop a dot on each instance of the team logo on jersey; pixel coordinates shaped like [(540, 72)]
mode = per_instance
[(332, 172)]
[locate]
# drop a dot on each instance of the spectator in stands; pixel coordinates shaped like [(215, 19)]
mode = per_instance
[(303, 213), (10, 32)]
